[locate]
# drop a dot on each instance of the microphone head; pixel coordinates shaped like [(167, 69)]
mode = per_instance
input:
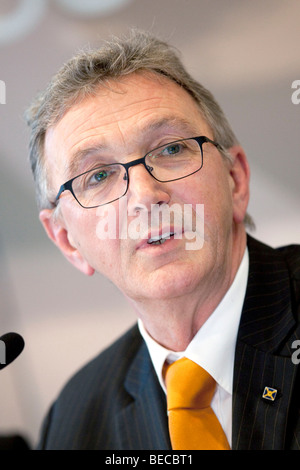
[(11, 346)]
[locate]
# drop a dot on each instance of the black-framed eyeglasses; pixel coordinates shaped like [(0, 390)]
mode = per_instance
[(108, 183)]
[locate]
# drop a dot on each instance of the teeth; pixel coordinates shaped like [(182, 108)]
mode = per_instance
[(158, 242), (159, 239)]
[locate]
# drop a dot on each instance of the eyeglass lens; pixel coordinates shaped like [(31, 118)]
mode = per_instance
[(169, 162)]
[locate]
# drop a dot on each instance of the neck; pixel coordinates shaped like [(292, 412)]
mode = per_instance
[(173, 322)]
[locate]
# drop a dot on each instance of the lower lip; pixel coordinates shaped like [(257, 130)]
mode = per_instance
[(168, 245)]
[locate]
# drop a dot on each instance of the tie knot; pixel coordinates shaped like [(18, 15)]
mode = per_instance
[(188, 385)]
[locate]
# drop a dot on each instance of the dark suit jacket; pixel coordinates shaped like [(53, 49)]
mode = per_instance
[(116, 403)]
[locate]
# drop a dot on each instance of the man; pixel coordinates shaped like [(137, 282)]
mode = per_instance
[(121, 132)]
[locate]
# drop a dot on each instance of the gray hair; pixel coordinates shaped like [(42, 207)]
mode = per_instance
[(82, 75)]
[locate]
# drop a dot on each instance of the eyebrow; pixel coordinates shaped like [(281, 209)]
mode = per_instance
[(72, 167), (180, 124)]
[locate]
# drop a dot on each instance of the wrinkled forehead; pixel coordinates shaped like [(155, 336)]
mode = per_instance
[(124, 113)]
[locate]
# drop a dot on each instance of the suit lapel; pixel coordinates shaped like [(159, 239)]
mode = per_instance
[(143, 424), (265, 331), (263, 359), (259, 423)]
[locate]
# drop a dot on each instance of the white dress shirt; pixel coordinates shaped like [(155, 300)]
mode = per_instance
[(213, 347)]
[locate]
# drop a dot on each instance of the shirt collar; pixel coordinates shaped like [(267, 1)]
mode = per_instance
[(213, 347)]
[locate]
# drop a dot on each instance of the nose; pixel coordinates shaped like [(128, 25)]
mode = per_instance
[(144, 190)]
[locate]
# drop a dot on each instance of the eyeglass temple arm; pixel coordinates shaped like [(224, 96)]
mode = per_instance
[(216, 144), (61, 190)]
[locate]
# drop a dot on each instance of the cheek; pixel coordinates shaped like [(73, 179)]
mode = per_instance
[(219, 212), (102, 254), (214, 194), (95, 246)]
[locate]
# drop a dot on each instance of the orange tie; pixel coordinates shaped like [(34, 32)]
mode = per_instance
[(192, 423)]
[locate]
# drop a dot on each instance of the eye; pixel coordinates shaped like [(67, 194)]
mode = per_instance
[(100, 176), (171, 149), (94, 178)]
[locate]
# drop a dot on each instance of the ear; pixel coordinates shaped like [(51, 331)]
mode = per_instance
[(240, 177), (56, 231)]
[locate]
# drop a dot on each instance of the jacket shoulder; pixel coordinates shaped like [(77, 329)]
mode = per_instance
[(83, 415), (291, 254), (287, 256), (114, 360)]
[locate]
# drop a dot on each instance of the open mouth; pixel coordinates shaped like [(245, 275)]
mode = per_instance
[(160, 239)]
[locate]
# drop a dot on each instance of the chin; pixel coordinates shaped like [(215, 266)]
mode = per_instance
[(170, 282)]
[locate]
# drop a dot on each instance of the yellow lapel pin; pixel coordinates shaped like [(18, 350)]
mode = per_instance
[(269, 393)]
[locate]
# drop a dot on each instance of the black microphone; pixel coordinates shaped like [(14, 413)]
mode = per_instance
[(11, 346)]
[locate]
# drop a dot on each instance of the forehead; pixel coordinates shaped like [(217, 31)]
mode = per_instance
[(125, 112)]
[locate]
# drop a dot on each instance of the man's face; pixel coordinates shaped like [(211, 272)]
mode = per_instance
[(124, 121)]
